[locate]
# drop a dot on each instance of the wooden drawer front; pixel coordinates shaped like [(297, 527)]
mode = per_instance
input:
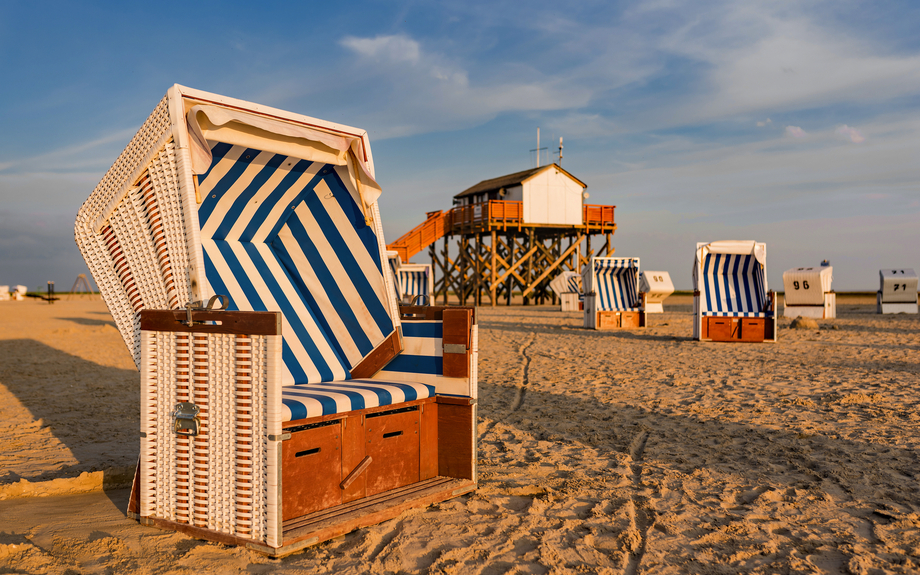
[(724, 328), (393, 445), (311, 470), (608, 319), (630, 319), (752, 329)]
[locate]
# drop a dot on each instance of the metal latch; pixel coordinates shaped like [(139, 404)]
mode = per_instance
[(187, 421), (193, 305), (454, 348)]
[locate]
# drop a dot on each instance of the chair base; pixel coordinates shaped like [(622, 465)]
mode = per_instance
[(654, 307), (609, 320), (888, 308), (826, 311), (570, 302), (327, 524), (739, 329)]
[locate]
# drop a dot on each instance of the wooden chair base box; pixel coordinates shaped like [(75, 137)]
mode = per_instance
[(620, 319), (739, 329)]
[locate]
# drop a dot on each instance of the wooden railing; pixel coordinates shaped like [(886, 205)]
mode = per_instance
[(421, 236), (494, 214)]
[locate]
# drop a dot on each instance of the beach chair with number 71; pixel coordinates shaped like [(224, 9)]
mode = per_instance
[(286, 397)]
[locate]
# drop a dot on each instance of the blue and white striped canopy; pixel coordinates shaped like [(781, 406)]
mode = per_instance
[(616, 283), (733, 285), (284, 234), (395, 263)]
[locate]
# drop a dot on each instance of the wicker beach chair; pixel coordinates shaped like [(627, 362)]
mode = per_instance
[(567, 285), (808, 293), (897, 291), (286, 397), (731, 301), (657, 286), (612, 298)]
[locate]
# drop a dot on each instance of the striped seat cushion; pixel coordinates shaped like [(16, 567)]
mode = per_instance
[(283, 234), (733, 286), (315, 399), (617, 284)]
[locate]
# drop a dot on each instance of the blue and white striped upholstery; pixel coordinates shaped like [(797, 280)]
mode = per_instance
[(283, 234), (395, 262), (573, 284), (734, 285), (422, 360), (616, 284), (413, 282), (315, 399)]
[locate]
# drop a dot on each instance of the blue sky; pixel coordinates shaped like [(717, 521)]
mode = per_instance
[(792, 123)]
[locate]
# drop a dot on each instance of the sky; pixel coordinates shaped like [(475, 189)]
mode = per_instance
[(790, 123)]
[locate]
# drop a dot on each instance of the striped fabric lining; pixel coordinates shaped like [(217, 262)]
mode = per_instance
[(413, 282), (616, 284), (315, 399), (394, 267), (422, 360), (733, 286), (283, 234)]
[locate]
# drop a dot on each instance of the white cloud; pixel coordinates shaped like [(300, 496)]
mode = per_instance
[(763, 123), (397, 48), (795, 132), (427, 91), (851, 134)]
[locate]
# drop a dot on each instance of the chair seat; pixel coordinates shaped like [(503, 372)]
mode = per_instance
[(737, 314), (315, 399)]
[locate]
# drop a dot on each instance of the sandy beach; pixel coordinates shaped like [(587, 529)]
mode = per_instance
[(599, 452)]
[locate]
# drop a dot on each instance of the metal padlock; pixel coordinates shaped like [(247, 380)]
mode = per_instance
[(186, 418)]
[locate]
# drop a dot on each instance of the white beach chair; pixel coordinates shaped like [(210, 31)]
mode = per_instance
[(657, 286), (897, 291), (731, 301), (19, 293), (4, 293), (808, 293), (313, 405), (612, 298), (567, 285)]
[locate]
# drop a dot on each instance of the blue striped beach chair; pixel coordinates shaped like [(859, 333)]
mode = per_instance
[(286, 397), (612, 297), (567, 285), (731, 301), (415, 280)]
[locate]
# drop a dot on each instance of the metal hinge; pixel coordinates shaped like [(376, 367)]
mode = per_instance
[(200, 305)]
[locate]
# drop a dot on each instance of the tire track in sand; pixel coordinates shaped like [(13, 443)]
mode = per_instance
[(641, 516)]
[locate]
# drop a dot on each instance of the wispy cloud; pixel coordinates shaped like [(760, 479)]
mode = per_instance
[(763, 123), (795, 132), (851, 134)]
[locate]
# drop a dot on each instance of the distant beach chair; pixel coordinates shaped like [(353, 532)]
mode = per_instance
[(808, 293), (731, 301), (313, 404), (657, 286), (897, 291), (411, 280), (19, 293), (612, 297), (4, 293), (567, 285)]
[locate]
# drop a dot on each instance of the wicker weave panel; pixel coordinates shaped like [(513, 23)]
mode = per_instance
[(139, 256), (217, 480)]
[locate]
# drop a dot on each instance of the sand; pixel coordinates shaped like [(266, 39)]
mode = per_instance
[(600, 452)]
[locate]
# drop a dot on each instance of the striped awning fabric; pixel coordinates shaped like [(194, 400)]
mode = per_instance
[(567, 282), (616, 283), (395, 262), (733, 285), (283, 234), (312, 400)]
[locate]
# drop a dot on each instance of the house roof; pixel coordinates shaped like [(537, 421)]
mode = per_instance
[(510, 180)]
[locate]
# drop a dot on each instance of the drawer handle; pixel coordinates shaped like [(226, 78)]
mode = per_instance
[(392, 434), (307, 452)]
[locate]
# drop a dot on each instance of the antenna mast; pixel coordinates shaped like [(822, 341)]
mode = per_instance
[(539, 149), (560, 151)]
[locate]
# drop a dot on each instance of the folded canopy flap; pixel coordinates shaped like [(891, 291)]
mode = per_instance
[(566, 282), (271, 135)]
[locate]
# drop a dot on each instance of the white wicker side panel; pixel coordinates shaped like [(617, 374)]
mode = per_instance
[(590, 311), (273, 367), (218, 479), (474, 362)]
